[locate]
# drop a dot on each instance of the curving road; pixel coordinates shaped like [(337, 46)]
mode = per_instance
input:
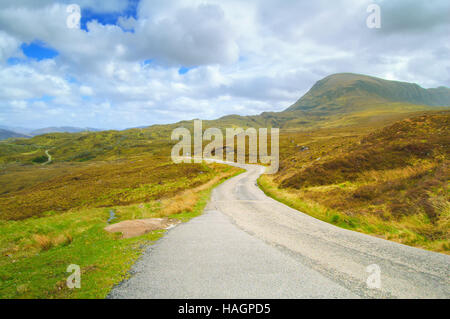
[(247, 245), (49, 160)]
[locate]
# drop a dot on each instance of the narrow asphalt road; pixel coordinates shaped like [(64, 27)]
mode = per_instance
[(247, 245)]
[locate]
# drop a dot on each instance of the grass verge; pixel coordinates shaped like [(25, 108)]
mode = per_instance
[(404, 230)]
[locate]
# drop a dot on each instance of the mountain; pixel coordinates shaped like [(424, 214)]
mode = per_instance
[(5, 134), (62, 129), (339, 100), (345, 99), (347, 92), (17, 129)]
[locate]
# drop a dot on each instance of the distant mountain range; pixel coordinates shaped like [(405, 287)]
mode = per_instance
[(5, 134), (20, 132), (62, 129)]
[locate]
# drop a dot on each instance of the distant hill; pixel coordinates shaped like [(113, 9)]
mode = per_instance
[(347, 92), (16, 129), (5, 134), (62, 129)]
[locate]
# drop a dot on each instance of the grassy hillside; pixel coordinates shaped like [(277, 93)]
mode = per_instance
[(54, 216), (98, 184), (392, 182), (347, 92), (87, 146)]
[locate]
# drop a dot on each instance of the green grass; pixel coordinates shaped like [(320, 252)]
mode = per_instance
[(28, 271), (35, 252)]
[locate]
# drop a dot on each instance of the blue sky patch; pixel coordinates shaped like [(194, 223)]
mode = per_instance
[(88, 15), (44, 98), (184, 70), (242, 58), (72, 79), (15, 61), (38, 50), (147, 62)]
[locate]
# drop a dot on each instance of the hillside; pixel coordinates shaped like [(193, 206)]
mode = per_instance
[(405, 143), (347, 92), (391, 182)]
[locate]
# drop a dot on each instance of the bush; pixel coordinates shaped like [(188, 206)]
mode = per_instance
[(365, 192), (335, 219), (40, 159)]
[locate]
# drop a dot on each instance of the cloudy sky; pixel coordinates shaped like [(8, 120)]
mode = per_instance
[(139, 62)]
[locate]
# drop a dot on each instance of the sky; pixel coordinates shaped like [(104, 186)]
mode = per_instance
[(130, 63)]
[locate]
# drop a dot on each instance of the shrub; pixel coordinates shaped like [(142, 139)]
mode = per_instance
[(335, 219), (40, 159), (365, 192)]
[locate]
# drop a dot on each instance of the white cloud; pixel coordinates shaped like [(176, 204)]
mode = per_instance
[(29, 82), (8, 46), (86, 90)]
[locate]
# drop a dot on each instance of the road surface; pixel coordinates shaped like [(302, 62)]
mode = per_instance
[(49, 160), (247, 245)]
